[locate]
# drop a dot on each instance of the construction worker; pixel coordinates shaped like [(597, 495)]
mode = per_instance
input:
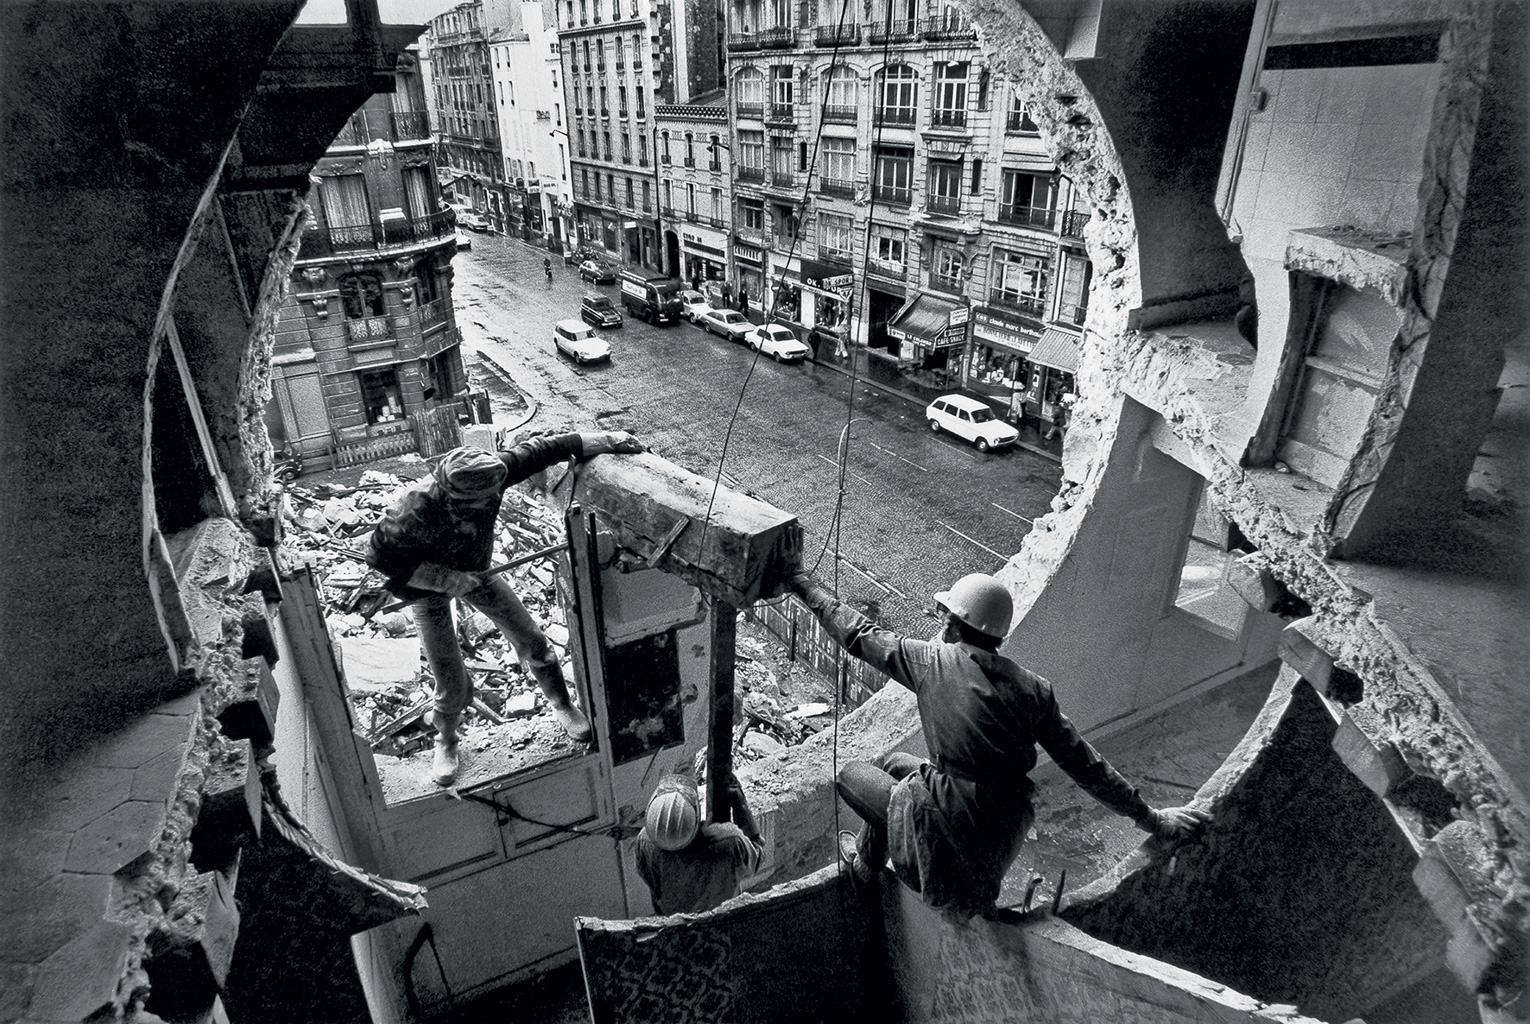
[(689, 866), (432, 545), (954, 823)]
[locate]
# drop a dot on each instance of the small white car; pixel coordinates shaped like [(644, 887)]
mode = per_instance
[(693, 304), (730, 323), (472, 219), (972, 420), (778, 342), (578, 341)]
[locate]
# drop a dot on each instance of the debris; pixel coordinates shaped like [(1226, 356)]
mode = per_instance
[(488, 712), (809, 710), (763, 745), (379, 661), (522, 704)]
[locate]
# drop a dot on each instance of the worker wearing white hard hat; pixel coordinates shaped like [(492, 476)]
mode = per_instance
[(690, 865), (954, 824)]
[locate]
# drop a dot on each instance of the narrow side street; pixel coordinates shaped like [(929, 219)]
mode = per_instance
[(919, 510)]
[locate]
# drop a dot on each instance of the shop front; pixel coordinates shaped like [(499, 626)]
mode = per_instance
[(931, 333), (704, 255), (1054, 363), (750, 262), (998, 364)]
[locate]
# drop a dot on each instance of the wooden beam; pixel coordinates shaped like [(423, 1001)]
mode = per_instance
[(204, 435), (720, 733)]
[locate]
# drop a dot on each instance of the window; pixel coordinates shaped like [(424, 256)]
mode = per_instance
[(600, 56), (982, 89), (841, 95), (781, 82), (1027, 199), (562, 162), (782, 159), (642, 149), (605, 103), (647, 196), (714, 150), (690, 199), (501, 93), (976, 187), (621, 100), (605, 138), (950, 95), (611, 186), (690, 150), (787, 223), (749, 93), (943, 186), (588, 66), (838, 158), (945, 265), (380, 395), (1019, 121), (629, 194), (1019, 281), (896, 95), (626, 148), (717, 205), (893, 179), (579, 137), (597, 186), (427, 286), (887, 245), (668, 200), (344, 199), (420, 191), (751, 156), (558, 114), (1073, 298), (584, 182), (751, 214), (802, 156), (361, 295), (640, 111), (589, 93), (834, 234)]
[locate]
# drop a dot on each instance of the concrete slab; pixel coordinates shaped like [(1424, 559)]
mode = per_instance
[(116, 838), (379, 661)]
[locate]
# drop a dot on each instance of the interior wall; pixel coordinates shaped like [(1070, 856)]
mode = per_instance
[(1301, 892), (1105, 631)]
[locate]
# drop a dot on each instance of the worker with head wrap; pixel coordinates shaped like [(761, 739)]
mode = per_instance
[(690, 866), (434, 543), (954, 823)]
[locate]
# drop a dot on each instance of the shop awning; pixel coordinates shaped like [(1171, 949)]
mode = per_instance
[(924, 319), (1057, 349)]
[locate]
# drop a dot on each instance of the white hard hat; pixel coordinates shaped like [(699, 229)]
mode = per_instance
[(980, 601), (673, 817)]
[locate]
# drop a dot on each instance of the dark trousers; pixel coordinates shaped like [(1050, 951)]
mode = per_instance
[(868, 789)]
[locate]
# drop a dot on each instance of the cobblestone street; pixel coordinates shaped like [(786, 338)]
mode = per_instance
[(919, 510)]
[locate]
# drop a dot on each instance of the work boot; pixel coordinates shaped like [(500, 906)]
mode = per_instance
[(443, 765), (573, 720), (860, 871)]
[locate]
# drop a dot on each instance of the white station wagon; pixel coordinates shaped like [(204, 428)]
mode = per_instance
[(577, 340), (970, 419)]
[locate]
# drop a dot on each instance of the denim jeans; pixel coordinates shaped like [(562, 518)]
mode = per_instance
[(454, 690), (868, 789)]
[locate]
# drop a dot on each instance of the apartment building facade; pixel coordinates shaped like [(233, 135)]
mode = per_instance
[(533, 127), (693, 170), (892, 196), (621, 60), (461, 89), (367, 335)]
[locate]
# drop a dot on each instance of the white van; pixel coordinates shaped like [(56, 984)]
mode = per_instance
[(577, 340)]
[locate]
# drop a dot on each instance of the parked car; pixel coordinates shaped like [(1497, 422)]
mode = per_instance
[(574, 257), (472, 219), (693, 304), (464, 240), (650, 296), (597, 271), (778, 342), (600, 311), (579, 342), (730, 323), (970, 419)]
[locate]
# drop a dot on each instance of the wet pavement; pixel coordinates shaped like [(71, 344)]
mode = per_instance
[(919, 510)]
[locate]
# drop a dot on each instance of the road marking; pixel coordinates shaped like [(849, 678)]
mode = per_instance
[(886, 588), (728, 479), (1012, 512), (964, 453), (895, 455), (969, 540), (850, 471)]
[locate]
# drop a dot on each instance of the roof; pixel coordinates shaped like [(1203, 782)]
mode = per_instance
[(1057, 349), (962, 401), (573, 324), (925, 317)]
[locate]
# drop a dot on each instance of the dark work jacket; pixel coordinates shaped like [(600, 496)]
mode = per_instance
[(418, 528), (955, 826)]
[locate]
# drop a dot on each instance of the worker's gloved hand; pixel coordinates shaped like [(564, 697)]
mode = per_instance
[(800, 582), (1177, 824), (604, 442), (431, 576)]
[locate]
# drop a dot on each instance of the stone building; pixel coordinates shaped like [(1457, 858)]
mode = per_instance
[(367, 335), (460, 79), (694, 148)]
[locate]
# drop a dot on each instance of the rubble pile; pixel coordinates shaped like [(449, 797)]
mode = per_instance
[(783, 702), (375, 639)]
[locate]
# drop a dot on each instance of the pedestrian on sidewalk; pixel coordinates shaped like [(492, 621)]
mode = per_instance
[(743, 300), (954, 823), (688, 866), (433, 545)]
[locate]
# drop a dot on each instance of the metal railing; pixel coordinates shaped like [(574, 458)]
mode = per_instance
[(1035, 305), (892, 194), (1031, 216), (943, 204), (1019, 123), (949, 26), (894, 270), (942, 117), (368, 126), (836, 187), (369, 328), (750, 173), (750, 109), (326, 241), (434, 312), (897, 30), (1073, 312), (837, 113), (947, 284), (778, 39), (785, 179), (782, 112), (843, 35), (896, 115), (1073, 222)]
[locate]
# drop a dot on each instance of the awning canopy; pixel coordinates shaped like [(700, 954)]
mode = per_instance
[(1057, 349), (925, 319)]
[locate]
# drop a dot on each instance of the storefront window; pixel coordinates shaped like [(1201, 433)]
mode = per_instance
[(380, 396)]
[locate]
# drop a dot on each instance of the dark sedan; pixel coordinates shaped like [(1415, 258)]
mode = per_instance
[(597, 272)]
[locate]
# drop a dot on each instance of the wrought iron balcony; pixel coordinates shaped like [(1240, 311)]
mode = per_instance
[(369, 126), (1073, 223), (835, 113), (328, 241), (1034, 305), (830, 35), (945, 284), (892, 194), (836, 187), (1019, 123), (783, 179), (943, 204), (1030, 216), (1073, 313), (756, 110), (899, 30), (750, 173), (778, 39), (949, 26), (942, 117), (896, 115), (783, 112)]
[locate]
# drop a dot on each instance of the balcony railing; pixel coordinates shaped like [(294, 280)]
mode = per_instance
[(371, 328), (637, 65), (1019, 123), (1030, 216), (692, 216), (752, 236), (949, 26), (945, 284), (783, 112), (1073, 313), (434, 312), (689, 161), (621, 65), (751, 173), (830, 35), (896, 115), (664, 159), (836, 187), (1035, 305), (327, 241), (942, 117), (765, 39), (1073, 223), (368, 126), (943, 204), (783, 179), (892, 194), (835, 113), (895, 270), (717, 220), (895, 31), (756, 110)]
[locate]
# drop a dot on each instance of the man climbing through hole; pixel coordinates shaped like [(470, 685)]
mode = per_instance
[(689, 866), (954, 824), (434, 543)]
